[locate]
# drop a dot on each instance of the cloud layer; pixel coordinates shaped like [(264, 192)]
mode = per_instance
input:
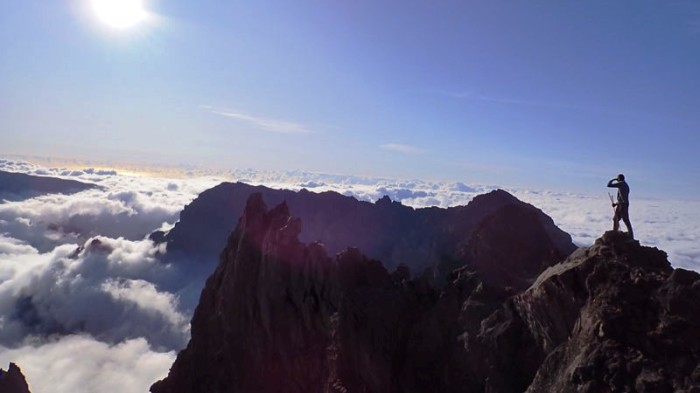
[(79, 363), (82, 301)]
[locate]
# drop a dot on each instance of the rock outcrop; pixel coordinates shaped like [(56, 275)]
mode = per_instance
[(12, 380), (615, 317)]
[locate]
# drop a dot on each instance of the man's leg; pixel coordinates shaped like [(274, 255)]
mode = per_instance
[(626, 220)]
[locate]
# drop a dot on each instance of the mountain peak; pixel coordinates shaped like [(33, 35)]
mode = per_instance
[(12, 380), (614, 316)]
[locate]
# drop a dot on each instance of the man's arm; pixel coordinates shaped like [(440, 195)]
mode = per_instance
[(613, 183)]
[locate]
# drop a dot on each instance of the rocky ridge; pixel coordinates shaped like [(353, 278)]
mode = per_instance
[(279, 315), (387, 231), (20, 186), (12, 380)]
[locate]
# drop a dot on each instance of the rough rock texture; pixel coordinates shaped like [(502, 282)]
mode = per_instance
[(385, 230), (615, 318), (12, 380), (280, 316)]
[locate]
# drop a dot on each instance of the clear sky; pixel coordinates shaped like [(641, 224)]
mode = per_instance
[(543, 94)]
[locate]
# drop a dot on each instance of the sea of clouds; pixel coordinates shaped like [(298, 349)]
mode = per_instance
[(87, 304)]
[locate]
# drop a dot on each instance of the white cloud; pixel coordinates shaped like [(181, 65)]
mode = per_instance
[(107, 289), (146, 297), (401, 148), (81, 364), (129, 206), (267, 124), (671, 225)]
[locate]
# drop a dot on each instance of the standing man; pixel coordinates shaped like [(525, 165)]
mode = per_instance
[(623, 203)]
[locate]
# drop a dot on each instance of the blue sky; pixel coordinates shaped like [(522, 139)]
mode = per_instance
[(548, 94)]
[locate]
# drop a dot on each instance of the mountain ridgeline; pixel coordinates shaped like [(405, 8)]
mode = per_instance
[(20, 186), (511, 314), (419, 239)]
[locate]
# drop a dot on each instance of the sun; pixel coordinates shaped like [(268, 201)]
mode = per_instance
[(119, 14)]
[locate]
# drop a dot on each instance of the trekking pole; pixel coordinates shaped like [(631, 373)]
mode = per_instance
[(612, 201)]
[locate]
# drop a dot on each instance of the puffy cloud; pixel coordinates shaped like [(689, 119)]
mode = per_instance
[(11, 246), (81, 364), (128, 206), (106, 288), (671, 225), (17, 166)]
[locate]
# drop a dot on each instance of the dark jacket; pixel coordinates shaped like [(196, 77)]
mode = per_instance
[(623, 191)]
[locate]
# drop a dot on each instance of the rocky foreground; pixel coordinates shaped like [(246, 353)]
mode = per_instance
[(279, 315)]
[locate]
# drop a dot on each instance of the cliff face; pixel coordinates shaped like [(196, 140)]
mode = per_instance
[(13, 381), (282, 316), (387, 231), (263, 323)]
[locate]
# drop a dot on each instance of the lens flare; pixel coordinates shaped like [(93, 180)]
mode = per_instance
[(119, 14)]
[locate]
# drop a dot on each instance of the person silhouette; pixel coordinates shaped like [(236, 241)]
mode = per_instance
[(623, 203)]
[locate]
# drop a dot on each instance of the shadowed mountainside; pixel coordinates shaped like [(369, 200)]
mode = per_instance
[(20, 186), (387, 231), (282, 316)]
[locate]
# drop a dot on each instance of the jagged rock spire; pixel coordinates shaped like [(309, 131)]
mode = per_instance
[(13, 381)]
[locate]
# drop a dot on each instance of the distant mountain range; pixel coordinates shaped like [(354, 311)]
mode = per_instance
[(20, 186)]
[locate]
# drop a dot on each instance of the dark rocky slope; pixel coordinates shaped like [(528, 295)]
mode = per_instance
[(385, 230), (19, 186), (282, 316), (12, 380)]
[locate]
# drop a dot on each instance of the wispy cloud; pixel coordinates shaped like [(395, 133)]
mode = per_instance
[(262, 123), (401, 148), (510, 101)]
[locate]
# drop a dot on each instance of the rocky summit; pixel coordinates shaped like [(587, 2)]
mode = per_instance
[(12, 380), (513, 314)]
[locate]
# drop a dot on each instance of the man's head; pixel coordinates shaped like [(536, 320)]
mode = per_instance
[(620, 177)]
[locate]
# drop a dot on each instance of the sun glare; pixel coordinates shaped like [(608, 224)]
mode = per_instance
[(119, 14)]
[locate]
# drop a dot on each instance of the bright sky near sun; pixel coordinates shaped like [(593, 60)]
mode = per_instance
[(552, 94)]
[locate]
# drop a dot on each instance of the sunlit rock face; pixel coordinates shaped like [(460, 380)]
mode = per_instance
[(12, 380)]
